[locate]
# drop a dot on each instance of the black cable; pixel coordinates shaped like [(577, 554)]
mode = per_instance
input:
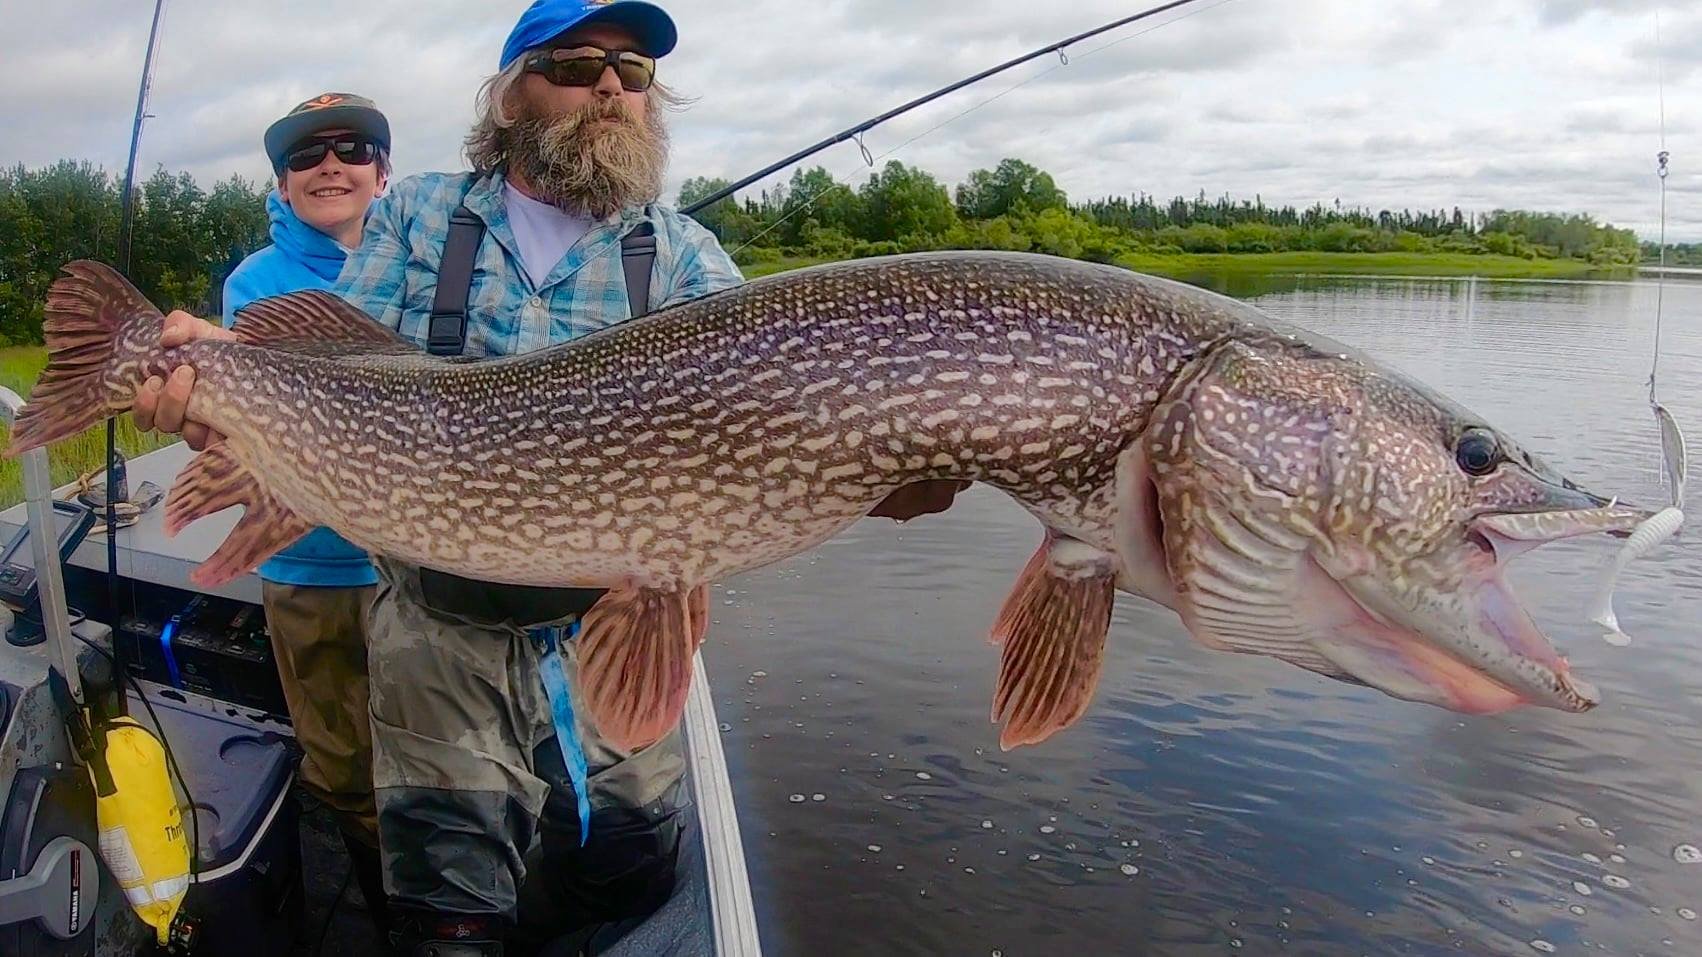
[(171, 759), (112, 544)]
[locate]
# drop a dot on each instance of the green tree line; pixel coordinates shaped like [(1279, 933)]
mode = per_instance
[(184, 240), (187, 239), (1017, 206), (1678, 254)]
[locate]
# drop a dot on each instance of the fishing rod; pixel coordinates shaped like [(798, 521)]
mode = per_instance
[(852, 132), (128, 216), (139, 807)]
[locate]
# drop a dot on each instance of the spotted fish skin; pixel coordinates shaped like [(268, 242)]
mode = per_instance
[(1284, 495), (728, 432)]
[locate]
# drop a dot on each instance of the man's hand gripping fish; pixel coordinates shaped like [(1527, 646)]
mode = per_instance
[(1283, 495)]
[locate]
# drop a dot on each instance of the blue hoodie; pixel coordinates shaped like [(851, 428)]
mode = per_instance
[(300, 257)]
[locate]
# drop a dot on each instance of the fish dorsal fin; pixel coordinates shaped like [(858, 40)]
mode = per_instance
[(214, 481), (1053, 629), (313, 315), (635, 660)]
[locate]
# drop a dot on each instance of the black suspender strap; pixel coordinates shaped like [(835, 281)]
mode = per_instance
[(638, 253), (488, 602), (447, 334)]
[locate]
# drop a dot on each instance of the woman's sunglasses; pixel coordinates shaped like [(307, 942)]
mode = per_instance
[(352, 150), (582, 66)]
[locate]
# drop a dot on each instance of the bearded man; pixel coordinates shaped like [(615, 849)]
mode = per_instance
[(473, 754), (478, 756)]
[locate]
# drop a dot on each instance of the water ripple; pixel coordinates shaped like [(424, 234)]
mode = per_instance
[(1261, 809)]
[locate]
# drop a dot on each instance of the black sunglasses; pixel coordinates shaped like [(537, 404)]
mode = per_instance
[(583, 66), (353, 150)]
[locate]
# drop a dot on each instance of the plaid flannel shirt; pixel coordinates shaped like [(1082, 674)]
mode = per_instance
[(393, 276)]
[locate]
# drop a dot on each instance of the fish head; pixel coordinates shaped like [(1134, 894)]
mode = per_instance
[(1314, 507)]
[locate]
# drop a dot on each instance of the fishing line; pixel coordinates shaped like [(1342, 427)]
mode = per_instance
[(1672, 440), (1063, 61), (1666, 523)]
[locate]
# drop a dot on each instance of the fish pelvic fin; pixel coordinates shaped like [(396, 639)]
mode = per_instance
[(214, 481), (697, 603), (635, 660), (97, 327), (1052, 629), (318, 317)]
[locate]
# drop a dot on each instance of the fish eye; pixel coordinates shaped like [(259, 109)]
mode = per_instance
[(1477, 452)]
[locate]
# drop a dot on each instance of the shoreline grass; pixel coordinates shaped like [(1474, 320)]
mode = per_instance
[(20, 366), (1178, 265), (1368, 264)]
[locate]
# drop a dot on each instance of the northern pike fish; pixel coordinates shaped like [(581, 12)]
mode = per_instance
[(1283, 494)]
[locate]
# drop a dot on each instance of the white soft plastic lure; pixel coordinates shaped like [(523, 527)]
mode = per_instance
[(1647, 536)]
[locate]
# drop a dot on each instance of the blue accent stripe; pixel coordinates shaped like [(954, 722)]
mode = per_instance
[(166, 634), (561, 715)]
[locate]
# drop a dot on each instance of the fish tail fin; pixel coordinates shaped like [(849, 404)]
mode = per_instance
[(1052, 629), (92, 311)]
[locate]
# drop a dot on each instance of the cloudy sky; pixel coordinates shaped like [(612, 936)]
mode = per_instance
[(1541, 104)]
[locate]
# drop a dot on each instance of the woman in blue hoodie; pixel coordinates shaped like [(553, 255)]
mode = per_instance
[(331, 156)]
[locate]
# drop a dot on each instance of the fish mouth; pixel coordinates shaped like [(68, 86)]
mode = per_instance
[(1477, 651)]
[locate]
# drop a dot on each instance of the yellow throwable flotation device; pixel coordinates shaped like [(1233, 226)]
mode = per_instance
[(141, 829)]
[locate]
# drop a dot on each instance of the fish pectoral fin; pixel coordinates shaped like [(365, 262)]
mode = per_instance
[(314, 316), (635, 661), (214, 481), (1053, 629)]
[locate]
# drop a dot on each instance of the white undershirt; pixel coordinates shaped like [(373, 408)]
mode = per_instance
[(544, 233)]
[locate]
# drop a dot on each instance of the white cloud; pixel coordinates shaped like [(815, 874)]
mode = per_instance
[(1547, 104)]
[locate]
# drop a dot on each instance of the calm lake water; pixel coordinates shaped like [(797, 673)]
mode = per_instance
[(1212, 803)]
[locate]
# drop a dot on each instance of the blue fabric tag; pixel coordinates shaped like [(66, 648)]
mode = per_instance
[(561, 714)]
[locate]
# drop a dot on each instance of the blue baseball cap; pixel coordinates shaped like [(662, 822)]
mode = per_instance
[(545, 20)]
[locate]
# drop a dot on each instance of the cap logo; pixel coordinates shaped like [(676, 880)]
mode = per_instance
[(323, 100)]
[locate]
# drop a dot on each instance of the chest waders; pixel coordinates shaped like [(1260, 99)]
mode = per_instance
[(526, 606)]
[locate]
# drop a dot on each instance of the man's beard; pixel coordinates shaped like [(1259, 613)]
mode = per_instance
[(588, 170)]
